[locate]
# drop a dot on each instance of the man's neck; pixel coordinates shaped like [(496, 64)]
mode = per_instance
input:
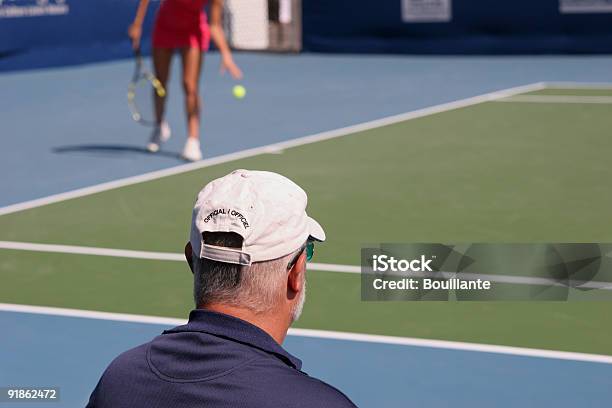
[(273, 324)]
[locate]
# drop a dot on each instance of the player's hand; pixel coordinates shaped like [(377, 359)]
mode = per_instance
[(228, 65), (135, 32)]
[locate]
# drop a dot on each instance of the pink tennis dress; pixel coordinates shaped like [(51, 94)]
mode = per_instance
[(181, 24)]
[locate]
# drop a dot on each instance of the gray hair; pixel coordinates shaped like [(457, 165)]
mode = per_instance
[(258, 287)]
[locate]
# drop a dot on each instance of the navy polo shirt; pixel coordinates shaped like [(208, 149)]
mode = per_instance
[(215, 360)]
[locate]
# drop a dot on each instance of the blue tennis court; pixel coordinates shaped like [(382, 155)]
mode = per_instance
[(72, 352), (62, 132)]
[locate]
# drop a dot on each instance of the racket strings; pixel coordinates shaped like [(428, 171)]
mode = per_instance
[(141, 98), (143, 91)]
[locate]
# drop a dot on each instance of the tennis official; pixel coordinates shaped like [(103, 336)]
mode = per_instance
[(250, 240)]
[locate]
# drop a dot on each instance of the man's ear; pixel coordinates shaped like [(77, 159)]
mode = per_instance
[(189, 255), (295, 279)]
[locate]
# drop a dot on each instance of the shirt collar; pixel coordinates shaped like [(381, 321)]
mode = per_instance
[(235, 329)]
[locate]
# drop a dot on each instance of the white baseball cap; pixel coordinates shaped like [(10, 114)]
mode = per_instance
[(266, 209)]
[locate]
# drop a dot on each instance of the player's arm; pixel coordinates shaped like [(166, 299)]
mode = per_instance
[(135, 29), (218, 37)]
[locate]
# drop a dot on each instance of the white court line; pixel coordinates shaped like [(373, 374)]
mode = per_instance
[(272, 148), (83, 250), (325, 334), (577, 85), (557, 99), (146, 255), (168, 256)]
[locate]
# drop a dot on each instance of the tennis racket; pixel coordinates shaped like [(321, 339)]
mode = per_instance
[(141, 91)]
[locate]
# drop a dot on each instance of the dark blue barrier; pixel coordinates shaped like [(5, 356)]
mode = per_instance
[(42, 33), (474, 27)]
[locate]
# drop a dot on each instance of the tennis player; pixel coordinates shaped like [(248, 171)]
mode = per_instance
[(183, 25)]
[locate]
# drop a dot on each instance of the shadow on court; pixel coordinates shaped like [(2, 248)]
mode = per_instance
[(112, 150)]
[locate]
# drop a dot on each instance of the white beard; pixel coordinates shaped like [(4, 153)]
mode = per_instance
[(299, 305)]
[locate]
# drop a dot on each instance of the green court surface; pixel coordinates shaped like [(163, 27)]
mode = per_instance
[(491, 172)]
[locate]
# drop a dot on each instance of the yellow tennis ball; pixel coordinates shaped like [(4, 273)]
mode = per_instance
[(239, 91)]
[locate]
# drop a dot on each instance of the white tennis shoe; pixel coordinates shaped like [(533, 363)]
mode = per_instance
[(192, 151), (160, 135)]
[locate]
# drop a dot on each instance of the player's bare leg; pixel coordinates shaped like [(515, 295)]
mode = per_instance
[(192, 66), (162, 57)]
